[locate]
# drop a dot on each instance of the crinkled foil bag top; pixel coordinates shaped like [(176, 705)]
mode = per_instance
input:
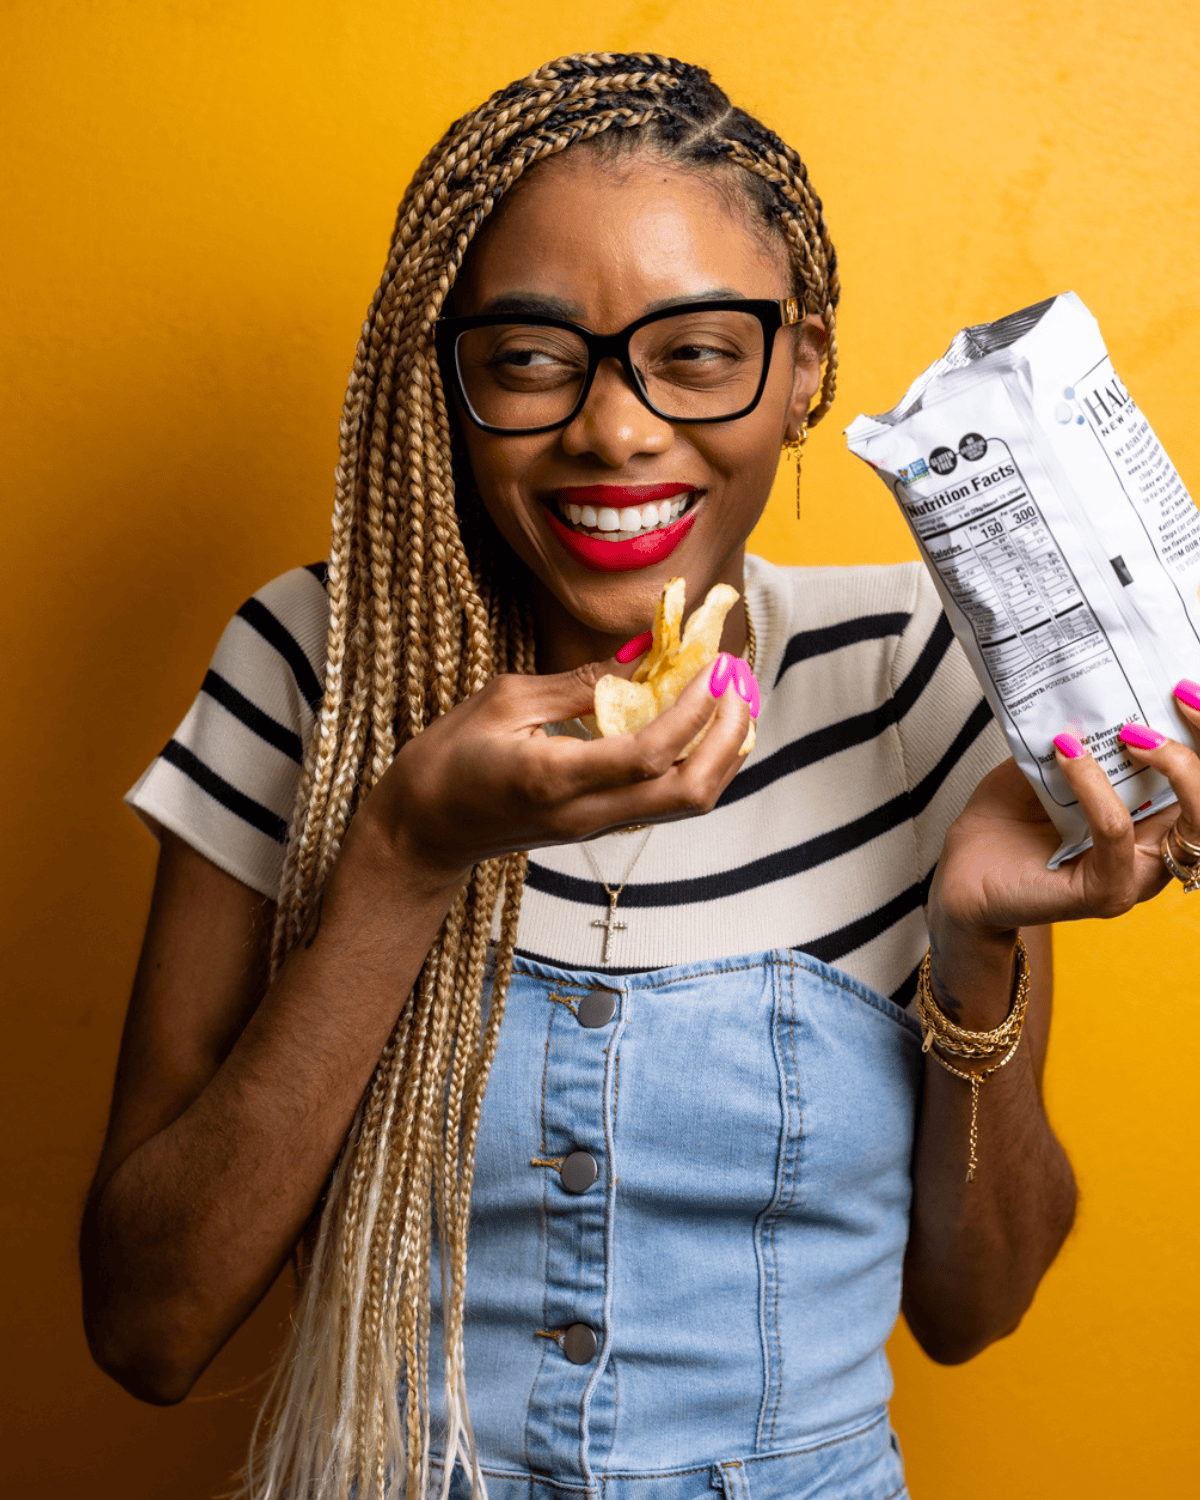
[(1063, 542)]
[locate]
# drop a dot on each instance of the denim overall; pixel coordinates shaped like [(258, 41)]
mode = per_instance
[(707, 1317)]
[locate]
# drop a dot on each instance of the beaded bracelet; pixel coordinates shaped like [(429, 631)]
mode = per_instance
[(938, 1029)]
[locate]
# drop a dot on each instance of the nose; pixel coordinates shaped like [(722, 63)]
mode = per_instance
[(614, 424)]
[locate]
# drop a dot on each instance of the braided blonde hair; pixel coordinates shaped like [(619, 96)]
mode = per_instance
[(423, 611)]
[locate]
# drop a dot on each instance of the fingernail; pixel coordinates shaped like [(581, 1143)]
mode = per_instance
[(746, 685), (721, 675), (1188, 692), (636, 647), (1070, 746), (1141, 738)]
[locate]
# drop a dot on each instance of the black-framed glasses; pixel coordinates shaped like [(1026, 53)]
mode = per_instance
[(703, 361)]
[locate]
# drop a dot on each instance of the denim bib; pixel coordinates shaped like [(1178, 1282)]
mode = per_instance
[(688, 1225)]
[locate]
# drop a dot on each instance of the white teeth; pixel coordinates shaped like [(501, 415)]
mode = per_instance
[(630, 519)]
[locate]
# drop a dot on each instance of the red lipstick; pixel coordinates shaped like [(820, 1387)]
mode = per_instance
[(622, 557)]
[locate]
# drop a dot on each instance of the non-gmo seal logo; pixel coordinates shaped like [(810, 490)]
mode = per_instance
[(943, 460), (908, 473), (973, 446)]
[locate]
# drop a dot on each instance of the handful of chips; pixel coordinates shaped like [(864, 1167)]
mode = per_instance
[(623, 706)]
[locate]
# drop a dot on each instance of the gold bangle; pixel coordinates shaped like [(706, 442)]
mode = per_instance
[(939, 1030)]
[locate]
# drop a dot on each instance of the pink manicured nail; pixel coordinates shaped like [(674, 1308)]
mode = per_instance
[(721, 675), (1188, 692), (1070, 746), (1141, 738), (746, 685), (637, 646)]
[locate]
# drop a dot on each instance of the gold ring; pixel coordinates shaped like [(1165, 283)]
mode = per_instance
[(1188, 874), (1193, 850)]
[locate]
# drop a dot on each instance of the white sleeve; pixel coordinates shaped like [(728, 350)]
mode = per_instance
[(226, 780)]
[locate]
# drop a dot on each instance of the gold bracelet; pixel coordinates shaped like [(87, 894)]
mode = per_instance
[(938, 1029)]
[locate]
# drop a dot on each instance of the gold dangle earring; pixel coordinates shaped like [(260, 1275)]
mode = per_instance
[(794, 448)]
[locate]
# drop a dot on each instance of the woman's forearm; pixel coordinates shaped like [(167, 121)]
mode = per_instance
[(977, 1250), (186, 1234)]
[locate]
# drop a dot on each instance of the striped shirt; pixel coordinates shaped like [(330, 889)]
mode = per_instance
[(872, 734)]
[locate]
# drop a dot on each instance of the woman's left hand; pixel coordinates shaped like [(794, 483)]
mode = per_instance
[(992, 877), (977, 1252)]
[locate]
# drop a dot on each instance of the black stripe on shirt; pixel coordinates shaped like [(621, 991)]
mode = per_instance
[(249, 714), (929, 785), (809, 643), (903, 993), (783, 863), (830, 948), (835, 945), (256, 614), (846, 733), (557, 963), (320, 571), (221, 791), (721, 884)]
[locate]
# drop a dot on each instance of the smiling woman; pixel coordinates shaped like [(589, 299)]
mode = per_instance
[(624, 1202), (668, 361)]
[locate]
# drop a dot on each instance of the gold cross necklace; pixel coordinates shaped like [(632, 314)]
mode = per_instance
[(609, 920)]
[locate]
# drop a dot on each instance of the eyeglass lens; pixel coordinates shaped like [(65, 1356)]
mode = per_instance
[(694, 366)]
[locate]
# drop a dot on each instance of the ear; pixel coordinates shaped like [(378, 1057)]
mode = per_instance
[(808, 352)]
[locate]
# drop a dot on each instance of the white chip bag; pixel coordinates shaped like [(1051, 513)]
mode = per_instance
[(1063, 542)]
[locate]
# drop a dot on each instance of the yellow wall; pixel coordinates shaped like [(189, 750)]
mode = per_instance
[(200, 196)]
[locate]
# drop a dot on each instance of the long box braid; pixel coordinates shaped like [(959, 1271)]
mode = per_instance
[(425, 606)]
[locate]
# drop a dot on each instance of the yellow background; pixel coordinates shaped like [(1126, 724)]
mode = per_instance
[(198, 200)]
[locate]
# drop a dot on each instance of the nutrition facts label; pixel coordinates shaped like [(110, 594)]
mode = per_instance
[(1004, 569), (1009, 578)]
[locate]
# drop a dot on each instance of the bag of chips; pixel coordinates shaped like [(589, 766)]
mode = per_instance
[(1063, 542)]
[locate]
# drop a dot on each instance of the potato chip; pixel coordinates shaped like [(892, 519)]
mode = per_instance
[(624, 706), (629, 705)]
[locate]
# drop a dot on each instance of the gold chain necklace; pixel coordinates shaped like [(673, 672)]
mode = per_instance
[(751, 636)]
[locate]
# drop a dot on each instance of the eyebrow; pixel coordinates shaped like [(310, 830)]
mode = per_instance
[(712, 294), (540, 304), (533, 302)]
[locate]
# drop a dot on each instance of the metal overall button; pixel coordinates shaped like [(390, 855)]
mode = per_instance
[(597, 1009), (579, 1171), (580, 1344)]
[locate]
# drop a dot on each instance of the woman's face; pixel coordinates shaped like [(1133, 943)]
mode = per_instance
[(602, 244)]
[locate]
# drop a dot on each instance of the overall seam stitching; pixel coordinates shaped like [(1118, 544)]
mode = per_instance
[(545, 1227), (791, 1167)]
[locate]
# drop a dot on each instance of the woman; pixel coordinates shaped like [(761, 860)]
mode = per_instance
[(711, 1159)]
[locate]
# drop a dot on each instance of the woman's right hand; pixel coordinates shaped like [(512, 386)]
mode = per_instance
[(231, 1105), (484, 780)]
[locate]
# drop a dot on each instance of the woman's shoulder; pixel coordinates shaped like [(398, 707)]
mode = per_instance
[(225, 781), (881, 629), (811, 598), (808, 612), (298, 602)]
